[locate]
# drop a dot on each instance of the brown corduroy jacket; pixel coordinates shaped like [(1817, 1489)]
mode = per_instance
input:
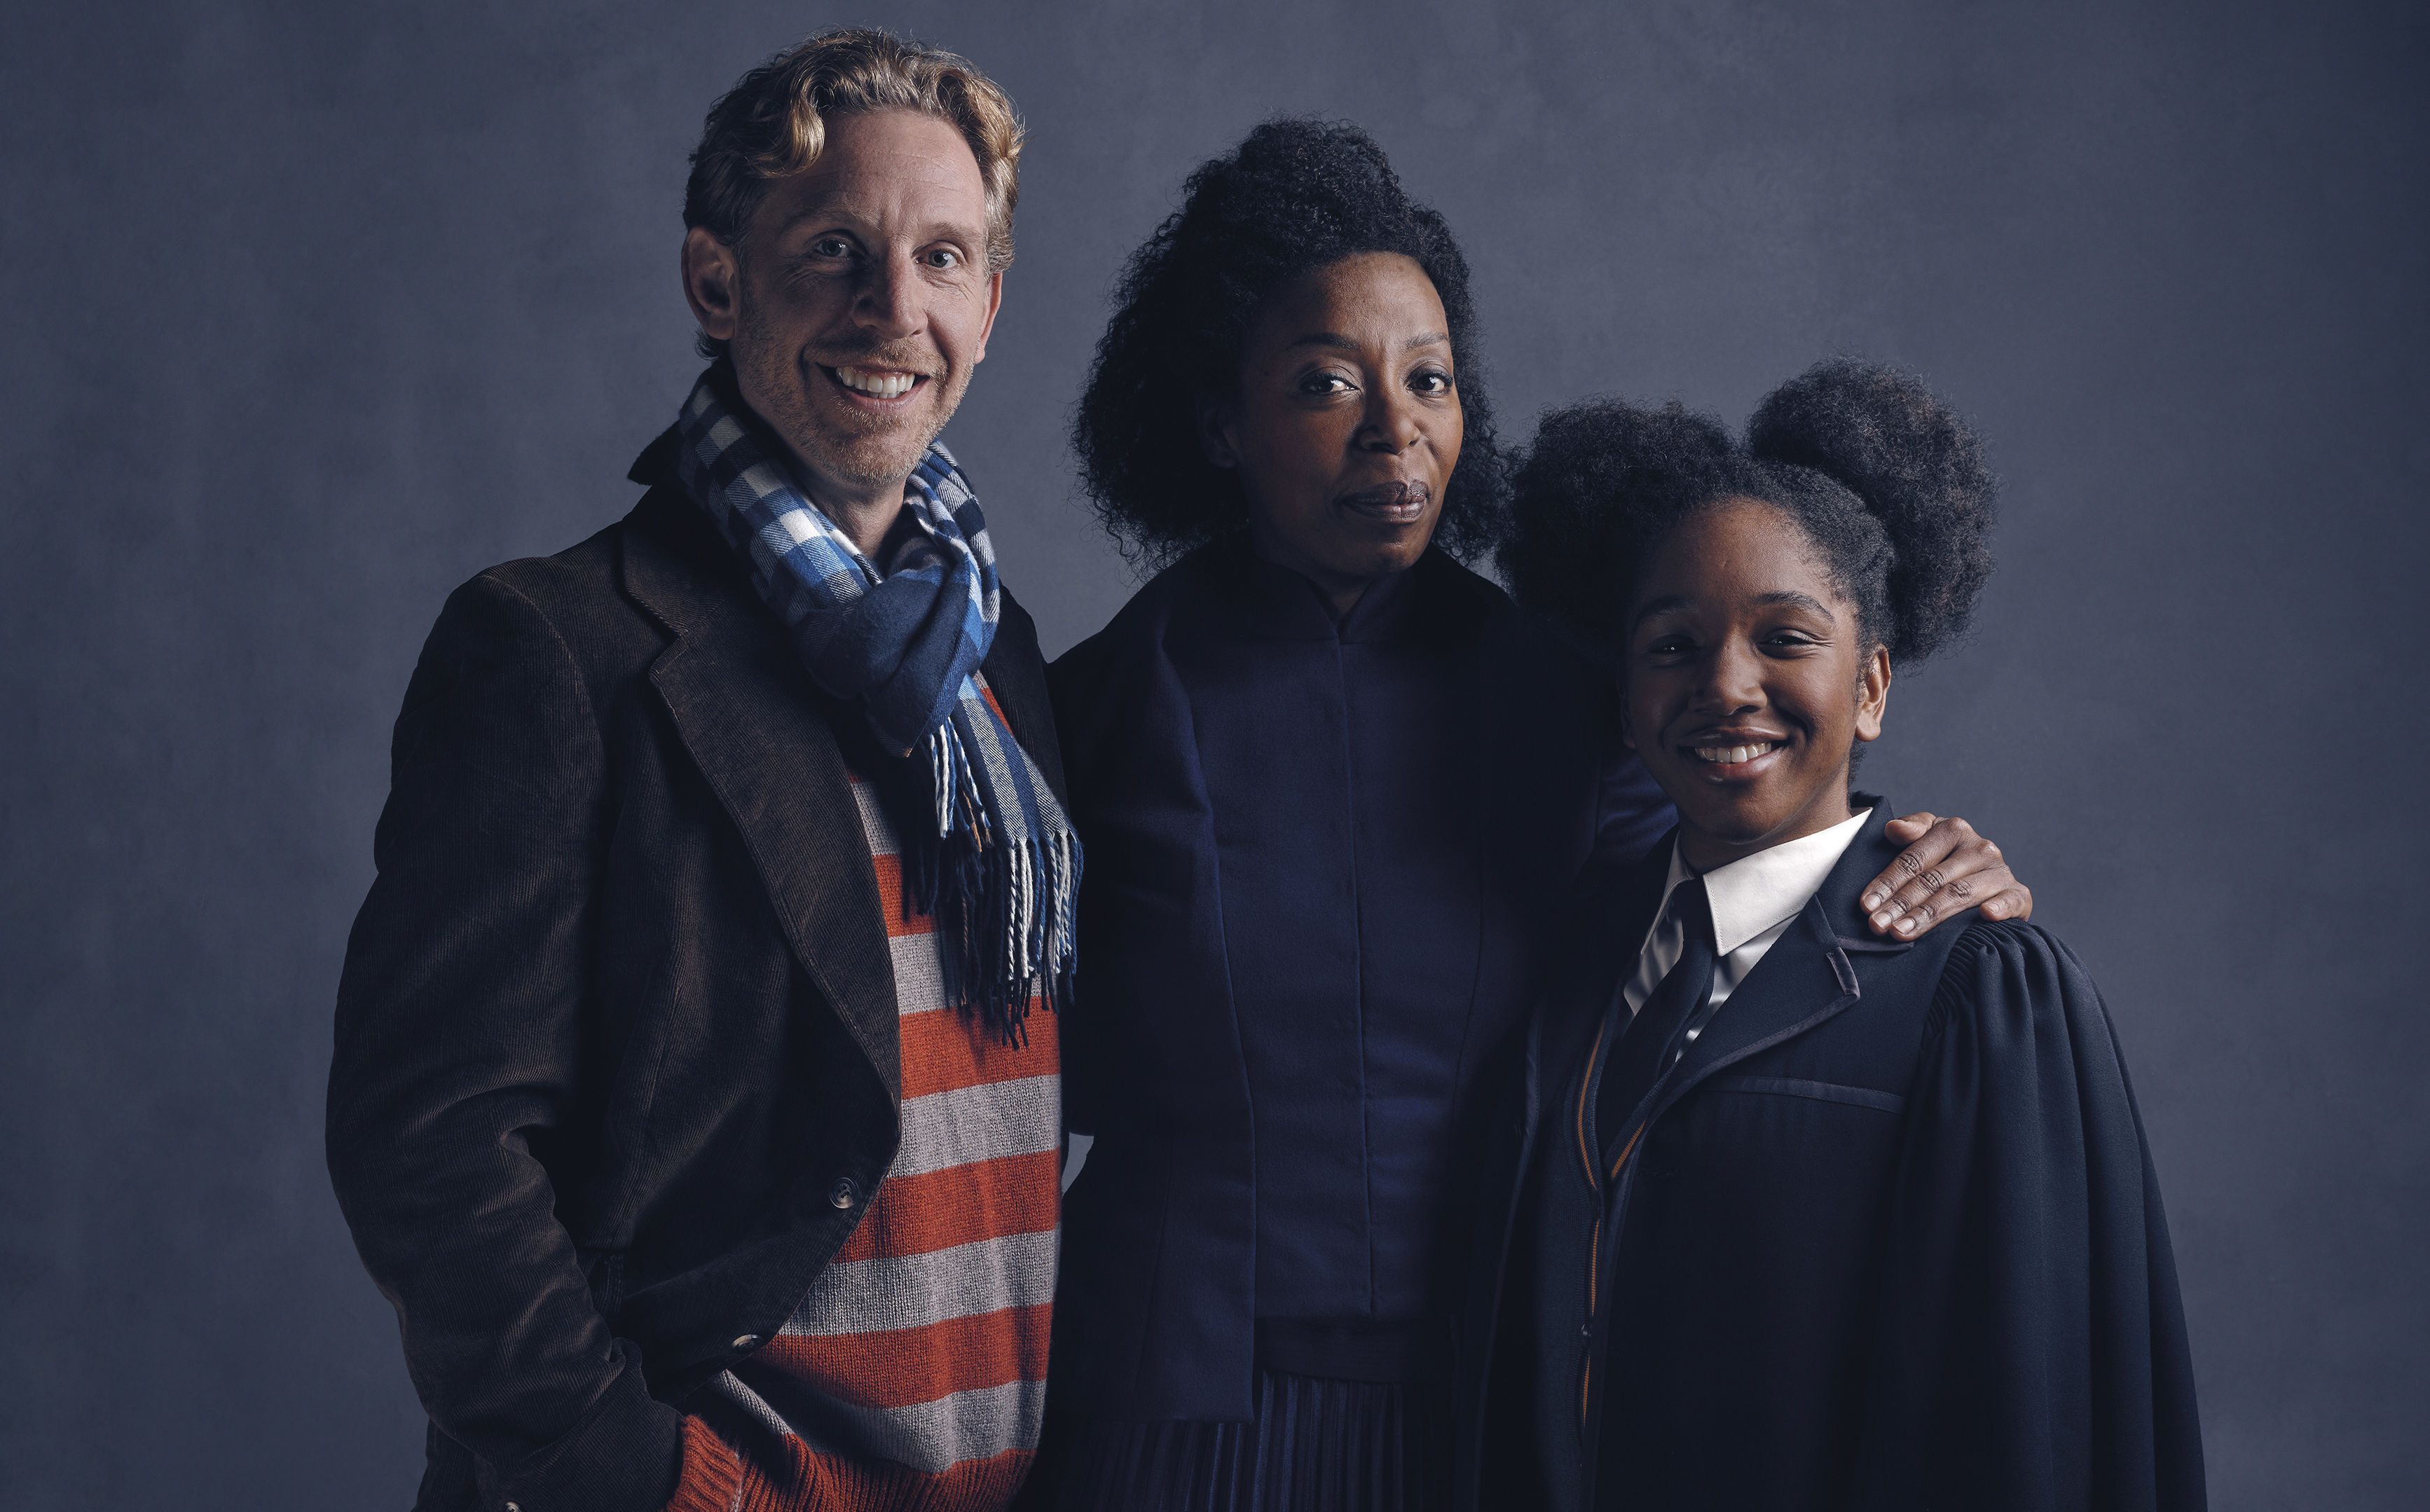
[(616, 1066)]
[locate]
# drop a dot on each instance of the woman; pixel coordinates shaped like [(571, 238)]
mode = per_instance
[(1331, 783), (1805, 1219)]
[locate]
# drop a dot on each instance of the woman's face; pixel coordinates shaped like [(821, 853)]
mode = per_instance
[(1748, 683), (1344, 421)]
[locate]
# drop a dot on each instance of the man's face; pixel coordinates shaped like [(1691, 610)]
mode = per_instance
[(859, 299)]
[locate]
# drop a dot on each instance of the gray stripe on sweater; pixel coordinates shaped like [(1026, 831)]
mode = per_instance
[(984, 1122), (896, 1291)]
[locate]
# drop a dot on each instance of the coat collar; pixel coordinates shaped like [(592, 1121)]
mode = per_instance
[(1805, 978), (762, 733)]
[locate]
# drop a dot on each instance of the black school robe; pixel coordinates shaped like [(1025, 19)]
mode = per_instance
[(1891, 1240)]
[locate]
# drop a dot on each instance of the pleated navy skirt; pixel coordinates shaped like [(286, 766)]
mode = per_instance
[(1315, 1445)]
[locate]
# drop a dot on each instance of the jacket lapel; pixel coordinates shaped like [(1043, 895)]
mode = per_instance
[(758, 729), (1806, 979)]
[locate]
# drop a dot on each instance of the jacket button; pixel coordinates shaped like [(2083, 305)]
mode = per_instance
[(746, 1341), (843, 1194), (512, 1508)]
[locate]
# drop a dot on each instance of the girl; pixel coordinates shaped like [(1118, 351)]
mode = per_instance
[(1801, 1217)]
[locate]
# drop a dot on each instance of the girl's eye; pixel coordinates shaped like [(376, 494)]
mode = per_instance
[(1669, 645)]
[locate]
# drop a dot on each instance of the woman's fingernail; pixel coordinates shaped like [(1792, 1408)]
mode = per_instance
[(1907, 927), (1881, 919), (1874, 899)]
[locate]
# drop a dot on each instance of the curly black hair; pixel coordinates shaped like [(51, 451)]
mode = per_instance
[(1887, 481), (1294, 196)]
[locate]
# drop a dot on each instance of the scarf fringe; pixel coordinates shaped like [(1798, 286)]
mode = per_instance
[(1006, 914)]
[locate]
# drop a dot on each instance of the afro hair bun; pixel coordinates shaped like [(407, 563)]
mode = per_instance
[(1917, 467), (1888, 483), (1600, 473)]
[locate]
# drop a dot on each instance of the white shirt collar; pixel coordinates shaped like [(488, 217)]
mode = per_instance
[(1755, 893)]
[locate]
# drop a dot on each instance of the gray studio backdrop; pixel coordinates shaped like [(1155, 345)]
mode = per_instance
[(309, 312)]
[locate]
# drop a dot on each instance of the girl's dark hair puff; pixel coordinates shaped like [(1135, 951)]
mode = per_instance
[(1888, 482), (1294, 196)]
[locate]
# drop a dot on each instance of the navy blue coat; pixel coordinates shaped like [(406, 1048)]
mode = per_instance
[(1321, 862), (1891, 1240)]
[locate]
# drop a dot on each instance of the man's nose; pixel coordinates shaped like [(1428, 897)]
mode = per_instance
[(888, 305)]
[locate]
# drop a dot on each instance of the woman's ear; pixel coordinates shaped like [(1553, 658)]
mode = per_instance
[(1215, 427), (1873, 694)]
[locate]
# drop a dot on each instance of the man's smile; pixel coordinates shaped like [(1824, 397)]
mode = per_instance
[(886, 387)]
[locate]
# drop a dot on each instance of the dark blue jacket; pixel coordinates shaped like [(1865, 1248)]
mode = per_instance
[(1891, 1240), (1320, 858)]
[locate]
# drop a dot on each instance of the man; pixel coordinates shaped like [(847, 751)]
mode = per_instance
[(723, 863)]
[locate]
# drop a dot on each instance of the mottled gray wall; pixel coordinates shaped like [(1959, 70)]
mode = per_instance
[(308, 313)]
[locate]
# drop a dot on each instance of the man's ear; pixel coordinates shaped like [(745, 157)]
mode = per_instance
[(1215, 431), (995, 303), (712, 280), (1873, 694)]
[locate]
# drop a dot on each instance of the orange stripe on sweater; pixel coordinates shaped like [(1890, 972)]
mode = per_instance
[(949, 1049), (889, 899), (960, 1205), (823, 1482), (711, 1474), (909, 1366)]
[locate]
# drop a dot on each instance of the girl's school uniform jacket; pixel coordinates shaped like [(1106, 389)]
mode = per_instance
[(1890, 1237)]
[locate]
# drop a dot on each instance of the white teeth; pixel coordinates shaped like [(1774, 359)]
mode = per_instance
[(1730, 755), (876, 385)]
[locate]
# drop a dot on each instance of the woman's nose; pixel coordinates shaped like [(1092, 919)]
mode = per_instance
[(1391, 422)]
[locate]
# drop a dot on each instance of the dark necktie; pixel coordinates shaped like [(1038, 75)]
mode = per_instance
[(1652, 1042)]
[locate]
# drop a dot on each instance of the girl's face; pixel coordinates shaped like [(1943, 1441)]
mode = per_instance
[(1748, 683), (1344, 421)]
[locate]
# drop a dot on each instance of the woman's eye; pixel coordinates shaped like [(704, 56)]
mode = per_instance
[(1432, 385), (1324, 384), (1669, 645)]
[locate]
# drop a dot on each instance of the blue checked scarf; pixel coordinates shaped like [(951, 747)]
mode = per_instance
[(988, 854)]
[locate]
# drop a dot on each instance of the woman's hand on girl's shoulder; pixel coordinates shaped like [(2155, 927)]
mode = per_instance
[(1945, 870)]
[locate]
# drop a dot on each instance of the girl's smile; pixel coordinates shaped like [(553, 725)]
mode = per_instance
[(1748, 682)]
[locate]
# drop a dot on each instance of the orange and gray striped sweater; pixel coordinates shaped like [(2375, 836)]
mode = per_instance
[(912, 1376)]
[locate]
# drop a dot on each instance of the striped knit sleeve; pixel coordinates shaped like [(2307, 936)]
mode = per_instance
[(712, 1473)]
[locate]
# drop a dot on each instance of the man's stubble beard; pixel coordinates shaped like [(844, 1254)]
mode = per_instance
[(862, 453)]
